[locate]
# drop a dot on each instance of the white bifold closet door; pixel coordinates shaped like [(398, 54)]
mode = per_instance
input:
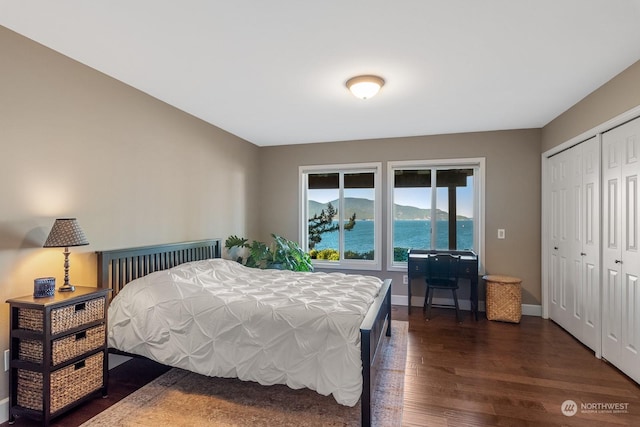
[(621, 251), (574, 297)]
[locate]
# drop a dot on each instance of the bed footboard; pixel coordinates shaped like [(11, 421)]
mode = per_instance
[(376, 324)]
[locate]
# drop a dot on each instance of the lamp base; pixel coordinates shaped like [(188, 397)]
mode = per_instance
[(67, 288)]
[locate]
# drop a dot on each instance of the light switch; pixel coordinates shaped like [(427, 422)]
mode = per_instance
[(501, 234)]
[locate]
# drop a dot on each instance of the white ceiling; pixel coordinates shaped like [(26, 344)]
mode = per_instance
[(273, 72)]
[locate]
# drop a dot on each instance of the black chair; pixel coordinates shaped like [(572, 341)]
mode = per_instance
[(442, 273)]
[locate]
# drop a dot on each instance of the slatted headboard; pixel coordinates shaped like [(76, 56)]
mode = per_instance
[(118, 267)]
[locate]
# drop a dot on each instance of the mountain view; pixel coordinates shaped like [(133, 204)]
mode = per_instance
[(363, 209)]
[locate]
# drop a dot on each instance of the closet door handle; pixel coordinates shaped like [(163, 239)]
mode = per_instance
[(618, 261), (555, 248), (583, 254)]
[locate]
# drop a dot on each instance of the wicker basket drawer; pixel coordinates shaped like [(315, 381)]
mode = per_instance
[(64, 318), (67, 384), (65, 348)]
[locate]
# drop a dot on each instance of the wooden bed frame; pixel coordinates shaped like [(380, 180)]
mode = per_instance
[(118, 267)]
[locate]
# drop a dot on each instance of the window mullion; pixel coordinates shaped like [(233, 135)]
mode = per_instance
[(476, 206), (434, 203), (341, 208)]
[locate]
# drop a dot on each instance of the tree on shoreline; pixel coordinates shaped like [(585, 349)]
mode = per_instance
[(323, 223)]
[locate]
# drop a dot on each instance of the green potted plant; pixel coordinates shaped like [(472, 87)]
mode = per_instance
[(236, 248), (288, 255), (281, 254)]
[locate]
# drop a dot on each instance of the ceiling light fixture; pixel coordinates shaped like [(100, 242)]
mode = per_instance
[(365, 87)]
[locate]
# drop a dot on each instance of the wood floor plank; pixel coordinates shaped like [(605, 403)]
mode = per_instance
[(485, 373)]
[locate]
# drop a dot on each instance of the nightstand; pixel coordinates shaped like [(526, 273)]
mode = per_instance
[(58, 351)]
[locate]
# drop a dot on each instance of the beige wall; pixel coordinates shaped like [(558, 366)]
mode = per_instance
[(620, 94), (133, 170), (512, 191)]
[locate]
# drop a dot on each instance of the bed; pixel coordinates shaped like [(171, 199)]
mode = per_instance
[(117, 268)]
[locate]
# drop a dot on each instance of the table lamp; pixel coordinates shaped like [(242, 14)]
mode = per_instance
[(65, 233)]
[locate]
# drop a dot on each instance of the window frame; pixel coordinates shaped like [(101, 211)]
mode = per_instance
[(479, 170), (303, 231)]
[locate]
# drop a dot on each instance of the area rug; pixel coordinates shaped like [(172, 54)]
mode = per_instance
[(182, 398)]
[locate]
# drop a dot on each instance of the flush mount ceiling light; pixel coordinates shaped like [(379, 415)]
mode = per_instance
[(365, 87)]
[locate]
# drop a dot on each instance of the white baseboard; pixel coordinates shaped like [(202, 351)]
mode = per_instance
[(399, 300), (532, 310), (4, 410), (527, 309)]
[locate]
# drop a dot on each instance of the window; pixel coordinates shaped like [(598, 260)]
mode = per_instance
[(341, 215), (435, 205)]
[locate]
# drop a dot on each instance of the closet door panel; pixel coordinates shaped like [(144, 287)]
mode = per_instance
[(611, 249), (590, 327), (610, 315), (630, 322), (575, 295), (621, 254), (561, 276), (630, 333), (591, 318)]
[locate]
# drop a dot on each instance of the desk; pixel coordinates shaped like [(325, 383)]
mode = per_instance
[(417, 266)]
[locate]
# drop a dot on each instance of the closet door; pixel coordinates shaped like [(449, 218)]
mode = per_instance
[(559, 287), (574, 277), (621, 252)]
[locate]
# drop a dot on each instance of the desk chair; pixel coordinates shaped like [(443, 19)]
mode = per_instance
[(442, 273)]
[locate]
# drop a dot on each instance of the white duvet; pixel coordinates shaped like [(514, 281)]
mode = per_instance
[(220, 318)]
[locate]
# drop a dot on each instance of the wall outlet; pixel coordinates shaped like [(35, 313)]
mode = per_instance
[(7, 360), (405, 280)]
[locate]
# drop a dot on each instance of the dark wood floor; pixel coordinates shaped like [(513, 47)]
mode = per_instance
[(471, 374), (488, 373)]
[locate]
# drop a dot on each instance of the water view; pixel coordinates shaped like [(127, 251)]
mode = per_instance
[(407, 234)]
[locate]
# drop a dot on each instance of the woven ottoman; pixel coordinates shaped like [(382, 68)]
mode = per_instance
[(504, 298)]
